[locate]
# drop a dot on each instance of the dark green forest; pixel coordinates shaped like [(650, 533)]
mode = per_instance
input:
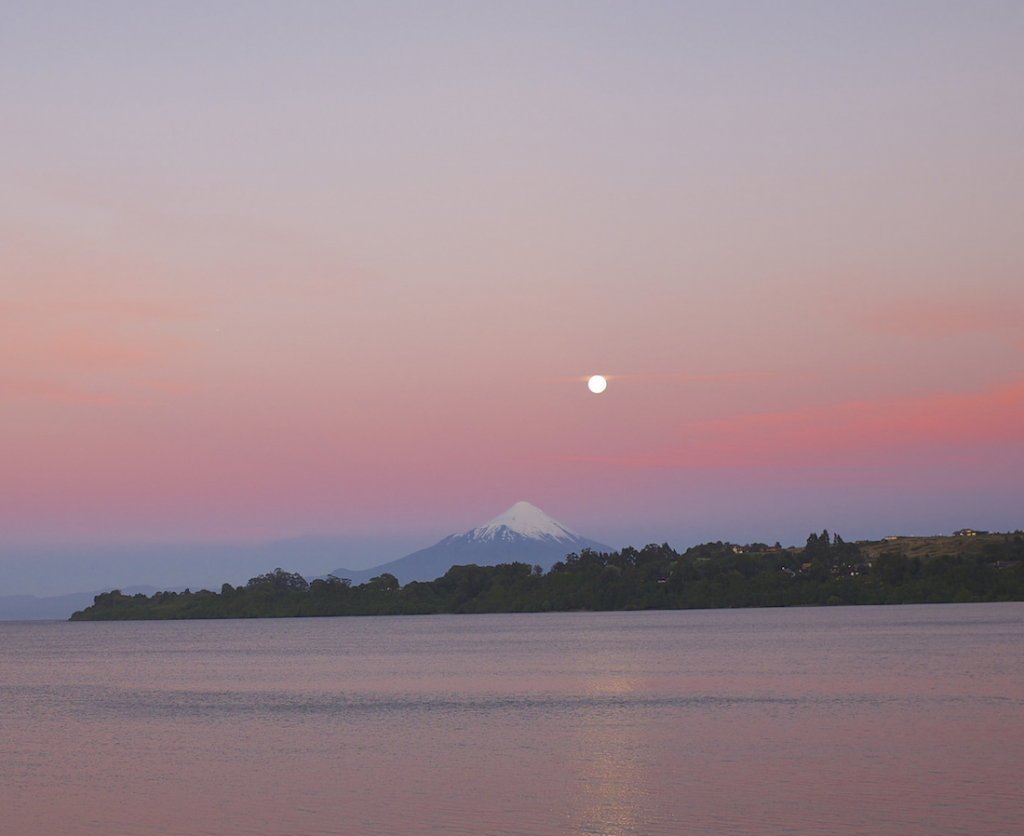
[(827, 571)]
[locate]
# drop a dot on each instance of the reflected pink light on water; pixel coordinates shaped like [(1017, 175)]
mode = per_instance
[(842, 721)]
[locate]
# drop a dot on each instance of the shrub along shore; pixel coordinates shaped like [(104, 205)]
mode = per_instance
[(827, 571)]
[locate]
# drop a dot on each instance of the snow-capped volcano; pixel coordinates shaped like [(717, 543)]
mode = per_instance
[(523, 534), (523, 520)]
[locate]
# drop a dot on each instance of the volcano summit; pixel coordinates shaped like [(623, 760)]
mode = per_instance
[(523, 534)]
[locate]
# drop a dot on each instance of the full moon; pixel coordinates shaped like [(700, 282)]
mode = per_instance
[(597, 384)]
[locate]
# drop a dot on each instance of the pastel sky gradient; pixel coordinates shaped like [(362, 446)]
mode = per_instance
[(273, 269)]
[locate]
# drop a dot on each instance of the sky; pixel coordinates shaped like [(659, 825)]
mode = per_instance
[(314, 270)]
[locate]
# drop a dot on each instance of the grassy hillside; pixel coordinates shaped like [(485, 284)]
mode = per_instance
[(927, 548)]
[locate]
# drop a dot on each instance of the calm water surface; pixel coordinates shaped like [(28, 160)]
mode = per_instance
[(887, 720)]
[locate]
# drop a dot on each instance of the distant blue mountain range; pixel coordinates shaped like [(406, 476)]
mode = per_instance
[(523, 534), (58, 607)]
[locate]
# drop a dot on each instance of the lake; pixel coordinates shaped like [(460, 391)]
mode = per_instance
[(869, 720)]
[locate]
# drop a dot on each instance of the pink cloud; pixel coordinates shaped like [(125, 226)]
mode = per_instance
[(154, 310), (43, 390), (32, 353), (91, 352), (677, 378), (171, 387), (944, 427), (63, 304), (938, 318), (71, 313), (856, 432)]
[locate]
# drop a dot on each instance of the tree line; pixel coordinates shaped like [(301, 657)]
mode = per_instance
[(827, 571)]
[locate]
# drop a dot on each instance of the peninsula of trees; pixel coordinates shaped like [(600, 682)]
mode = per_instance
[(826, 571)]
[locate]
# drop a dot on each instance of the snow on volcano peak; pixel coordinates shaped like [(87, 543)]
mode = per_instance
[(523, 534), (525, 520)]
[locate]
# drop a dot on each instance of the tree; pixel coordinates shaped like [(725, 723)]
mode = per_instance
[(815, 548), (385, 582), (891, 567), (279, 581)]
